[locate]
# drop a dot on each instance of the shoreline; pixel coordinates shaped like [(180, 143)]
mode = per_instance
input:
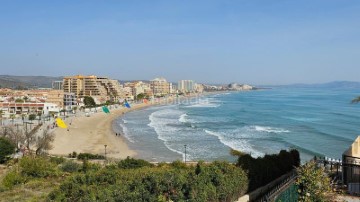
[(90, 134)]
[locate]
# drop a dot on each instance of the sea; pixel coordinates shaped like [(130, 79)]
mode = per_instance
[(315, 121)]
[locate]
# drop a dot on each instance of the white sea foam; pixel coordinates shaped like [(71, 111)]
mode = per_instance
[(182, 118), (126, 133), (161, 122), (206, 103), (303, 119), (269, 129), (235, 143)]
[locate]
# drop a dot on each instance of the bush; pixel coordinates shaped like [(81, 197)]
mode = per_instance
[(130, 163), (70, 166), (73, 155), (37, 167), (219, 181), (57, 160), (83, 156), (6, 148), (313, 183), (13, 178), (265, 169)]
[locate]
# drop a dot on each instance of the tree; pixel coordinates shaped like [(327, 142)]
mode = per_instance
[(6, 148), (356, 100), (89, 101), (26, 98), (14, 135), (44, 142), (32, 117), (140, 96), (313, 183)]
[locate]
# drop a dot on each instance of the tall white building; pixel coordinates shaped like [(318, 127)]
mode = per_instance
[(186, 86)]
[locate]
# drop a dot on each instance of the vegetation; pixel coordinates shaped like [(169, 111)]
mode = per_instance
[(263, 170), (130, 163), (218, 181), (6, 148), (37, 179), (73, 155), (140, 96), (314, 185), (44, 141), (32, 117), (89, 101), (88, 156)]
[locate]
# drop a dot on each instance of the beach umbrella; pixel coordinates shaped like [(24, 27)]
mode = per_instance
[(127, 105), (60, 123), (106, 109)]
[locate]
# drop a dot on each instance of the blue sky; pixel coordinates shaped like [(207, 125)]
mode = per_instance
[(253, 41)]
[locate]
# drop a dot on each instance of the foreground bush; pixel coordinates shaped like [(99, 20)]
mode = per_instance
[(6, 148), (83, 156), (263, 170), (218, 181), (37, 167), (130, 163), (27, 169), (313, 183), (70, 166)]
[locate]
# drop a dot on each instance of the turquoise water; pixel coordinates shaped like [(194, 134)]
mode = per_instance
[(314, 121)]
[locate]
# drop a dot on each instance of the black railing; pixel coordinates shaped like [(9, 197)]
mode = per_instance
[(279, 188)]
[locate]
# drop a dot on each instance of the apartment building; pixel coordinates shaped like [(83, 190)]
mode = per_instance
[(186, 86), (160, 86), (57, 85), (101, 88)]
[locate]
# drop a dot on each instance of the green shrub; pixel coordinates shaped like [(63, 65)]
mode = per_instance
[(37, 167), (313, 183), (6, 148), (73, 155), (263, 170), (13, 178), (89, 156), (70, 166), (218, 181), (130, 163), (57, 160)]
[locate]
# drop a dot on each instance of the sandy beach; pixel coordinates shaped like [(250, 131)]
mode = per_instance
[(90, 134)]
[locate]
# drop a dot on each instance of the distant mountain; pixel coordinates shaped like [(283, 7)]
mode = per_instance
[(334, 84), (9, 81)]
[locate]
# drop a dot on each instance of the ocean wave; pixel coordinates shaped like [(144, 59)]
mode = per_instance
[(205, 103), (269, 129), (235, 143), (303, 119), (164, 122), (182, 118), (126, 133)]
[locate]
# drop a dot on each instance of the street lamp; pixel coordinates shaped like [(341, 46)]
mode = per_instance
[(185, 152), (105, 150)]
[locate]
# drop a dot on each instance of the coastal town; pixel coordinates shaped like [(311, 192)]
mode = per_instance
[(67, 95)]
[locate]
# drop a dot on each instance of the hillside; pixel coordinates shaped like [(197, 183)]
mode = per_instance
[(9, 81)]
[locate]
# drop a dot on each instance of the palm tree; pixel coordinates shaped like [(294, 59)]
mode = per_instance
[(356, 100)]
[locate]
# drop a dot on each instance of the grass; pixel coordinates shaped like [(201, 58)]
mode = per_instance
[(34, 190)]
